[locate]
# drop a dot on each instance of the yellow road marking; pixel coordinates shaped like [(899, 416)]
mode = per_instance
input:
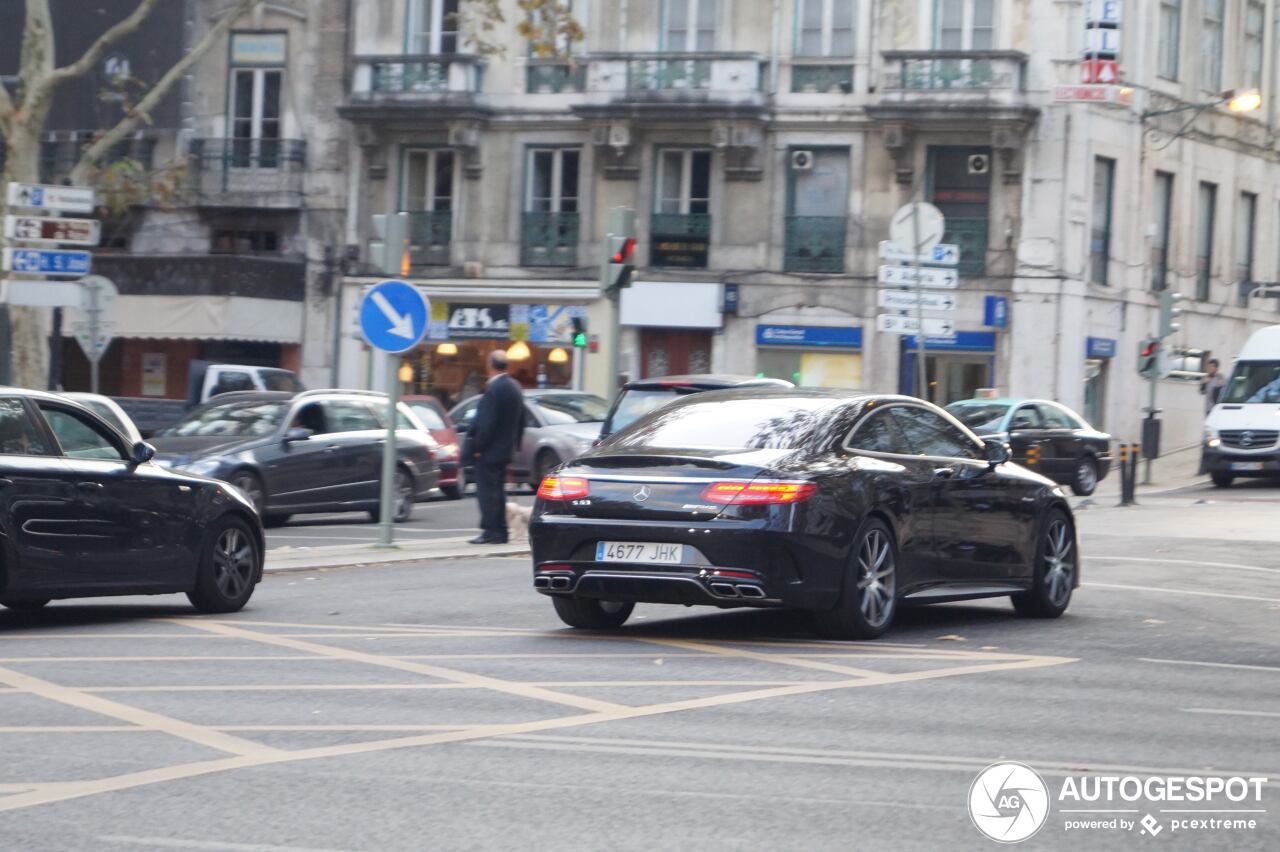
[(783, 659), (349, 687), (133, 715)]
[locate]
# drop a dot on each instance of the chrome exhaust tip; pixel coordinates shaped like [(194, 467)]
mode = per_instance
[(560, 583), (724, 590), (751, 591), (542, 582)]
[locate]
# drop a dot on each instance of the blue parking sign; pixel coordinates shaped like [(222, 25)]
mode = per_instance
[(393, 316)]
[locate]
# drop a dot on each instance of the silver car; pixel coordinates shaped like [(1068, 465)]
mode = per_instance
[(559, 425)]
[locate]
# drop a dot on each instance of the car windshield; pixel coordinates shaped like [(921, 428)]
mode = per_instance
[(1253, 381), (561, 408), (733, 424), (637, 402), (981, 417), (281, 380), (429, 416), (241, 419)]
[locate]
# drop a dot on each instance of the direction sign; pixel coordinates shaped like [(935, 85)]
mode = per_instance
[(50, 230), (47, 261), (906, 300), (67, 199), (906, 276), (919, 215), (895, 324), (43, 294), (943, 254), (393, 316)]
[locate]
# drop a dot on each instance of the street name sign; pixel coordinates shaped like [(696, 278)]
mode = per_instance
[(47, 261), (43, 294), (896, 324), (393, 316), (906, 276), (49, 230), (64, 199), (943, 254), (906, 300)]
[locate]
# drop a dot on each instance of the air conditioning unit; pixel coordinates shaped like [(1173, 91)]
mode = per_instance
[(619, 135), (801, 161), (464, 136), (979, 164)]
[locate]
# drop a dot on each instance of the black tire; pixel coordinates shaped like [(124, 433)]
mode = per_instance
[(1222, 480), (1055, 570), (591, 614), (229, 567), (869, 595), (25, 605), (546, 462), (270, 521), (1084, 477), (455, 491), (403, 497), (250, 484)]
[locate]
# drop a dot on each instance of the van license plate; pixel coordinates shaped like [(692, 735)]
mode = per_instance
[(656, 553), (1246, 465)]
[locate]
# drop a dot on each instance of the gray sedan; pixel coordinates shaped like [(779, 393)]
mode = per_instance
[(559, 425)]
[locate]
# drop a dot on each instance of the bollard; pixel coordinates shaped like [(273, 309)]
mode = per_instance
[(1033, 455), (1129, 454)]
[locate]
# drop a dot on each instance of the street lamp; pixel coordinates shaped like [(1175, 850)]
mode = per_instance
[(1235, 100)]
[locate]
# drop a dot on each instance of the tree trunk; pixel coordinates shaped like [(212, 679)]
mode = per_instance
[(28, 327)]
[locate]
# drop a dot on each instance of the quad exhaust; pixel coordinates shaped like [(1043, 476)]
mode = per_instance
[(724, 590), (542, 582), (750, 591), (561, 584)]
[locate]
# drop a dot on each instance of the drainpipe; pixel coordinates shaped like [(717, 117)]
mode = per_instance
[(777, 47)]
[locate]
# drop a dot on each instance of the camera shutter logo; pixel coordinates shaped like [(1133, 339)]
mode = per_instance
[(1008, 802)]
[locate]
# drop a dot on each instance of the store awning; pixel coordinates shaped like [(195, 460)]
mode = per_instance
[(203, 318)]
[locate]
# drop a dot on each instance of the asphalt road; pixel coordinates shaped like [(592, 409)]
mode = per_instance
[(443, 706)]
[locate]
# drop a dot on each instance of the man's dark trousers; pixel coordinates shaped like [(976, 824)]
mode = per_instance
[(491, 495)]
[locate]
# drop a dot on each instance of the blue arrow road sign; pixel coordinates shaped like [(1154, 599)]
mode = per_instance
[(47, 262), (393, 316)]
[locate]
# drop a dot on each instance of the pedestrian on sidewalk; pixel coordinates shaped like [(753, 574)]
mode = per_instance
[(491, 442), (1211, 385)]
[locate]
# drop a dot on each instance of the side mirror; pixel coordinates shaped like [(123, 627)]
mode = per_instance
[(141, 453), (996, 452), (297, 433)]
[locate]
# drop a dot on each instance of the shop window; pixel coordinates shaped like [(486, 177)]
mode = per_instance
[(959, 183)]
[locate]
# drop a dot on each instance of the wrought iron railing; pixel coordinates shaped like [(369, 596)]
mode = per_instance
[(824, 79), (658, 74), (955, 70), (971, 236), (555, 77), (549, 239), (680, 225), (248, 172), (428, 74), (430, 232), (815, 243)]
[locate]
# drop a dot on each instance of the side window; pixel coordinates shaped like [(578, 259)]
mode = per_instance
[(311, 416), (79, 438), (1056, 418), (929, 434), (879, 433), (18, 434), (350, 417), (1026, 417), (231, 381)]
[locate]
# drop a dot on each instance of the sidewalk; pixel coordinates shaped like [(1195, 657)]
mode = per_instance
[(286, 559), (1175, 469)]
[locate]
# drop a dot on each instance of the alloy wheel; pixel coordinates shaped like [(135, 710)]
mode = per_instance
[(876, 578), (1059, 561), (1086, 476), (233, 563)]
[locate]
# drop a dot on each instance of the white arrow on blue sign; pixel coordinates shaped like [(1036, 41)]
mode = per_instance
[(47, 261), (393, 316)]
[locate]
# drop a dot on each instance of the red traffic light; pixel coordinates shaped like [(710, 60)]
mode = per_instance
[(1151, 348), (623, 254)]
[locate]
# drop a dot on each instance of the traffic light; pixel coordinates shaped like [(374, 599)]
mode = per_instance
[(1153, 363), (389, 248), (622, 250), (579, 333), (1168, 313)]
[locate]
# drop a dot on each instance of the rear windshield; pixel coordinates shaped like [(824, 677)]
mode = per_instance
[(281, 380), (429, 417), (735, 424), (1253, 381), (561, 408), (229, 418), (979, 416), (637, 402)]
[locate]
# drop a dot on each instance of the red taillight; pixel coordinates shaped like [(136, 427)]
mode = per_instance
[(564, 488), (757, 493)]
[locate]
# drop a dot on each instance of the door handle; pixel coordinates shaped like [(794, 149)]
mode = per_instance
[(332, 448), (943, 472), (90, 486)]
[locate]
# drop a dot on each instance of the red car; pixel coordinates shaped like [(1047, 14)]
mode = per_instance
[(435, 420)]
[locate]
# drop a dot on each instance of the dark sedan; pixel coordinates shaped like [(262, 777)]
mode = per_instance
[(842, 503), (316, 451), (1045, 436), (85, 513)]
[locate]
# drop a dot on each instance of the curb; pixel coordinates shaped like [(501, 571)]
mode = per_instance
[(283, 560)]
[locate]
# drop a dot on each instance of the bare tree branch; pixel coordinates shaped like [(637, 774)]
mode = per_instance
[(6, 112), (142, 111), (99, 47)]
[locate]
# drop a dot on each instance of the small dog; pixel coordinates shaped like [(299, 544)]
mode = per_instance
[(518, 521)]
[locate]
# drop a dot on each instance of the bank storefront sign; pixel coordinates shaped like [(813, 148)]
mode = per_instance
[(809, 336)]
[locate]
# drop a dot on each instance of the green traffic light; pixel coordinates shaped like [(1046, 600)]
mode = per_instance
[(580, 339)]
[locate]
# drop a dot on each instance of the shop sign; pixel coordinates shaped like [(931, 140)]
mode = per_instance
[(438, 322), (553, 323), (680, 251), (1100, 347), (479, 322), (824, 337), (958, 341), (995, 311)]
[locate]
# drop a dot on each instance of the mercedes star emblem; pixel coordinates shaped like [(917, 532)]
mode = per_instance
[(641, 494)]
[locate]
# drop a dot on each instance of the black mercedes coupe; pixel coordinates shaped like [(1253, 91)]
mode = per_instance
[(842, 503)]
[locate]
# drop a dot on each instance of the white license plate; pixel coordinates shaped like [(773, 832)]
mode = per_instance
[(640, 551), (1246, 465)]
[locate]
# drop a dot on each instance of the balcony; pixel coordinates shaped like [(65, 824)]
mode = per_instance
[(954, 87), (675, 83), (549, 239), (679, 239), (430, 233), (262, 174), (822, 78), (554, 77), (389, 86), (815, 243)]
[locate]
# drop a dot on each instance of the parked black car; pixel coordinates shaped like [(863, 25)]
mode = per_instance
[(84, 513), (316, 451), (842, 503), (1067, 449), (639, 397)]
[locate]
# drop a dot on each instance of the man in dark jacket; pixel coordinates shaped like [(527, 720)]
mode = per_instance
[(491, 442)]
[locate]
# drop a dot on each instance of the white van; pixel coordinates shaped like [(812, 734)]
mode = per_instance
[(1242, 432)]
